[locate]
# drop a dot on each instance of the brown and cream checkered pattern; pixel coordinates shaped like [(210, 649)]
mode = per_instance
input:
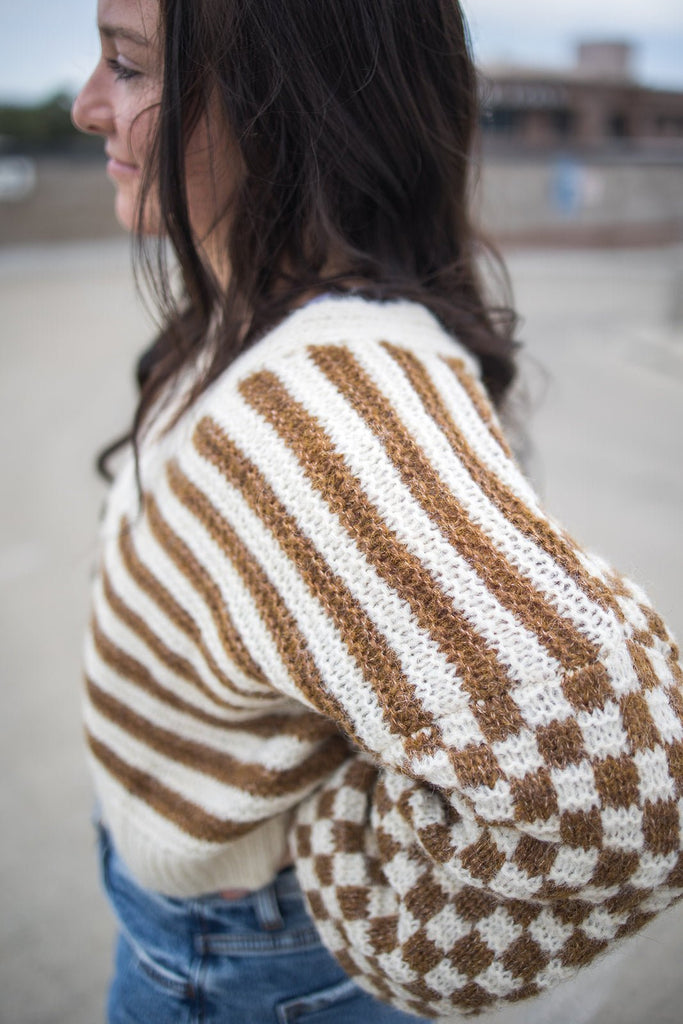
[(435, 907)]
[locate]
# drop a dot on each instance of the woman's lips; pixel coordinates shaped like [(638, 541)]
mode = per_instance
[(120, 169)]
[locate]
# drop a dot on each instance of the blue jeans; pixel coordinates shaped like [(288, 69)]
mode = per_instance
[(209, 960)]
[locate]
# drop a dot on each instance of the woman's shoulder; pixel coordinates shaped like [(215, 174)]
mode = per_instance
[(349, 373), (338, 371), (349, 324)]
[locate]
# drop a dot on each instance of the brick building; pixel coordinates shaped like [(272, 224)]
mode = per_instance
[(597, 104)]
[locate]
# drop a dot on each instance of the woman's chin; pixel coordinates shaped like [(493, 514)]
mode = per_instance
[(128, 216)]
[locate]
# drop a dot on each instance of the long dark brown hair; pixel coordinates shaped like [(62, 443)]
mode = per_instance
[(353, 124)]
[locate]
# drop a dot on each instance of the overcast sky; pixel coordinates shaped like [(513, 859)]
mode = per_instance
[(47, 44)]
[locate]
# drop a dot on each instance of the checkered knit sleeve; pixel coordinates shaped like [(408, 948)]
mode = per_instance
[(514, 804)]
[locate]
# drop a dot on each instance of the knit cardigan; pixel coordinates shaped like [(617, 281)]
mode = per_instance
[(339, 617)]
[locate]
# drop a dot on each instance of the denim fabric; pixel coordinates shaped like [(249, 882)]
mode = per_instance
[(254, 960)]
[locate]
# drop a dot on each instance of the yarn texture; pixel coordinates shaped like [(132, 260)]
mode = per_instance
[(340, 623)]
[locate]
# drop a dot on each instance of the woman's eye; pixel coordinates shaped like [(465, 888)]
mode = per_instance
[(121, 72)]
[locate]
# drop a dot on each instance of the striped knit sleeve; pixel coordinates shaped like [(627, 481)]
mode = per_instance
[(515, 802)]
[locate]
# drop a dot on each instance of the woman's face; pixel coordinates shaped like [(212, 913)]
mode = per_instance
[(121, 100)]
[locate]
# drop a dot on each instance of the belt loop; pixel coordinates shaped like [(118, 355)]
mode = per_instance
[(268, 909)]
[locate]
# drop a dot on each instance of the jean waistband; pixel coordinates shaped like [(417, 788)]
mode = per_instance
[(267, 902)]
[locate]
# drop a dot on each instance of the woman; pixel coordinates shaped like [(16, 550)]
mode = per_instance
[(332, 626)]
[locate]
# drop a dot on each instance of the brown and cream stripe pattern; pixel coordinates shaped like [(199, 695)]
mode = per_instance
[(341, 618)]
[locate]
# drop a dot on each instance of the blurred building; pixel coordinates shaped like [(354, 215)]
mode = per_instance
[(596, 104)]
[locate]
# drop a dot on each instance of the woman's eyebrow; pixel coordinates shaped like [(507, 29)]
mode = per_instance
[(120, 32)]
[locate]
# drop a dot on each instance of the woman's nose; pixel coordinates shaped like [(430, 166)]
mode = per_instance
[(91, 111)]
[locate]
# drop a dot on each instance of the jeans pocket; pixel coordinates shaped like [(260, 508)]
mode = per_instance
[(301, 1007), (159, 975), (143, 992)]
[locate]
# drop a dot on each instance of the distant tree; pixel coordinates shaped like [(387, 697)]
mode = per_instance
[(42, 127)]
